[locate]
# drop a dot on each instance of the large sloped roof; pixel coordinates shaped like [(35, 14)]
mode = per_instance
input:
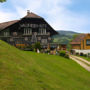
[(78, 39), (31, 15), (6, 24)]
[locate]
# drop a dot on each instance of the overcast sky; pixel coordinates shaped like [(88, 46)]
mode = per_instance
[(71, 15)]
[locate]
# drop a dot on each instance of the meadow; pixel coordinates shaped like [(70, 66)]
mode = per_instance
[(25, 70)]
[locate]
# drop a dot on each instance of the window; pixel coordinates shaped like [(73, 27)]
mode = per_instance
[(39, 38), (11, 39), (88, 42), (42, 25), (22, 25), (42, 30), (44, 41), (26, 38), (49, 38), (27, 31), (30, 30), (6, 33), (14, 33)]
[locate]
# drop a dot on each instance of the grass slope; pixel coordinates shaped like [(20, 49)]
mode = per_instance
[(86, 58), (21, 70)]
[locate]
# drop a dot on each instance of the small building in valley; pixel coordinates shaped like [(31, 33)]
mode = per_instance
[(26, 31), (81, 42)]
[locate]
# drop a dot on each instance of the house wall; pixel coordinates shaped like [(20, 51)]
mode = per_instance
[(82, 51), (76, 46), (84, 45), (28, 31)]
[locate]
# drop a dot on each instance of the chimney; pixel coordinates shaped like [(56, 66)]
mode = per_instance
[(28, 12)]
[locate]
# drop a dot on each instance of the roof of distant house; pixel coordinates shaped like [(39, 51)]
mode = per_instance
[(78, 39)]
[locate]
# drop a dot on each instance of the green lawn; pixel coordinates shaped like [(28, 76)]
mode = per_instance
[(24, 70), (86, 58)]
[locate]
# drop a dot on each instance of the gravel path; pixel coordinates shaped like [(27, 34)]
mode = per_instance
[(82, 62), (88, 62)]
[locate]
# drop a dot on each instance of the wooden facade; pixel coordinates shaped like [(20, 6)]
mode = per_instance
[(26, 31), (81, 42)]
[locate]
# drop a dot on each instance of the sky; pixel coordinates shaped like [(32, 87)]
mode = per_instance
[(69, 15)]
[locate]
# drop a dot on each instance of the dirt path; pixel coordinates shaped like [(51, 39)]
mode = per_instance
[(81, 61), (87, 62)]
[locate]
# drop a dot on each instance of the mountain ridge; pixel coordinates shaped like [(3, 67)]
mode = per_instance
[(64, 37)]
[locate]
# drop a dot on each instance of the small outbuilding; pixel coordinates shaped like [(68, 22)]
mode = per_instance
[(81, 42)]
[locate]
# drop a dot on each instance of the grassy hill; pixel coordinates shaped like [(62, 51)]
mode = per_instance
[(23, 70), (66, 32)]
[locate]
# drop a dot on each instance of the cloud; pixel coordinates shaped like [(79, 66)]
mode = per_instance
[(5, 16), (67, 20), (54, 11)]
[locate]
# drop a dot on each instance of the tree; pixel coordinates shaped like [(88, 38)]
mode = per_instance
[(37, 46), (2, 0), (75, 35)]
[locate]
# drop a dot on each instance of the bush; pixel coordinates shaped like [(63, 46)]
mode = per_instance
[(85, 55), (62, 53), (37, 46), (30, 47), (77, 53), (88, 54), (48, 51), (67, 56)]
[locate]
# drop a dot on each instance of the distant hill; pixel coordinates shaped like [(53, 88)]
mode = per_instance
[(63, 32), (64, 37)]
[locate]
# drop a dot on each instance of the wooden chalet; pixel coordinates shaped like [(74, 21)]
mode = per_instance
[(26, 31), (81, 42)]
